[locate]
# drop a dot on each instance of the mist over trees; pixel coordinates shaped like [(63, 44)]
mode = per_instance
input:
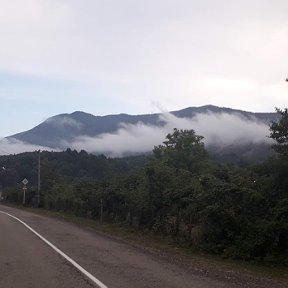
[(179, 192), (228, 133)]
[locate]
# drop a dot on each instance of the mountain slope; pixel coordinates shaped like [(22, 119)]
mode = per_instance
[(132, 134), (66, 127)]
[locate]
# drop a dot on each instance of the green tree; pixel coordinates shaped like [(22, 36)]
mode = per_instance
[(279, 132), (182, 149), (173, 181)]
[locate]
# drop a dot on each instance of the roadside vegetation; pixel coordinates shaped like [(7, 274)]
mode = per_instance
[(235, 210)]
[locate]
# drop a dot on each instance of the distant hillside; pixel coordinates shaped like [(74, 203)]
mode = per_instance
[(66, 127), (61, 129)]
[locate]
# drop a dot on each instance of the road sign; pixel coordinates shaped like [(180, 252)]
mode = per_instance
[(25, 181)]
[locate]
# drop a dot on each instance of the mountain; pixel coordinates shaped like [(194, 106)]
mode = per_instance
[(61, 129), (66, 127)]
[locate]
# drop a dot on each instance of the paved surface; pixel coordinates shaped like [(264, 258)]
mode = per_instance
[(25, 261)]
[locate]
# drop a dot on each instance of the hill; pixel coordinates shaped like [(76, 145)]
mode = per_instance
[(64, 130)]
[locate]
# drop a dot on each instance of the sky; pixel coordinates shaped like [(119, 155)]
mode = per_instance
[(129, 56)]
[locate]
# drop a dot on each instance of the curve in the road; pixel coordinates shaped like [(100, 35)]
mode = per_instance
[(74, 263)]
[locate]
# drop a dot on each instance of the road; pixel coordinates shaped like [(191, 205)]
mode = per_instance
[(26, 261)]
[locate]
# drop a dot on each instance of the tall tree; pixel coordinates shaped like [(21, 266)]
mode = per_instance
[(173, 175), (279, 132), (182, 149)]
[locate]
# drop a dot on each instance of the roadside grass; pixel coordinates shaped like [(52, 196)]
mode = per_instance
[(166, 245)]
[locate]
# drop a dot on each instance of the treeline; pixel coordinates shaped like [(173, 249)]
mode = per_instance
[(177, 191)]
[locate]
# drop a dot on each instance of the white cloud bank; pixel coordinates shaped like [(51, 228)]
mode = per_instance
[(220, 130), (63, 122), (14, 146)]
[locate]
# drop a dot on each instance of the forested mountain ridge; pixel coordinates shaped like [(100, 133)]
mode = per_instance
[(66, 127)]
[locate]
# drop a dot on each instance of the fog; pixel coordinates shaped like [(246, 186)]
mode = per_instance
[(218, 129), (14, 146), (62, 122)]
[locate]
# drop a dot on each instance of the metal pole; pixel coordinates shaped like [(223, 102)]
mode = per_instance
[(101, 210), (39, 178), (24, 196)]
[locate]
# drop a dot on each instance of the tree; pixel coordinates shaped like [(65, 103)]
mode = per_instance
[(173, 174), (279, 132), (182, 149)]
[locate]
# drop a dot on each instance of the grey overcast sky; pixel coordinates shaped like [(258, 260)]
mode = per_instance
[(132, 56)]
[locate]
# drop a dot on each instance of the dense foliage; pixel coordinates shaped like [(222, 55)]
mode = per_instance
[(237, 211), (279, 132)]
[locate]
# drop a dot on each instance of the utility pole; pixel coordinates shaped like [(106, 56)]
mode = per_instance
[(24, 195), (39, 179), (101, 210), (25, 182), (2, 170)]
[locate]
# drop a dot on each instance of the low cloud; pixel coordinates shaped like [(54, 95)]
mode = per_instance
[(129, 139), (14, 146), (63, 122), (218, 129)]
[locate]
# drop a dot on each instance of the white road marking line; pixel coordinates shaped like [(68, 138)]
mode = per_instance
[(75, 264)]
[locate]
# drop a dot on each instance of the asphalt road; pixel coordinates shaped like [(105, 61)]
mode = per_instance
[(26, 261)]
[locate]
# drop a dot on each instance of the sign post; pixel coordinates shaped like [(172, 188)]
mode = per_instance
[(25, 182)]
